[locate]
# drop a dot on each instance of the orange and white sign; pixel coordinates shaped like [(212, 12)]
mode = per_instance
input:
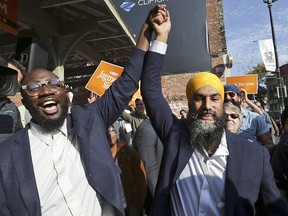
[(103, 77), (136, 95), (8, 16), (247, 82)]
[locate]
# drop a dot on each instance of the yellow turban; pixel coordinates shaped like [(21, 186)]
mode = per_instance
[(203, 79)]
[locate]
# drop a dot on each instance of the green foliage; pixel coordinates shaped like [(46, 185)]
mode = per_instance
[(262, 90), (261, 71)]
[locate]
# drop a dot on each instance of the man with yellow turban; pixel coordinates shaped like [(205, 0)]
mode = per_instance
[(205, 170)]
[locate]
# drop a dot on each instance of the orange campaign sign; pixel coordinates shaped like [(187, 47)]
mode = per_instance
[(136, 95), (247, 82), (8, 16), (103, 77)]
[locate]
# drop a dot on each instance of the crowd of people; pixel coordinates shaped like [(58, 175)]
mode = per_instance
[(219, 158)]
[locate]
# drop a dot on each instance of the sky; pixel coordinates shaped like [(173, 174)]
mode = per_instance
[(247, 21)]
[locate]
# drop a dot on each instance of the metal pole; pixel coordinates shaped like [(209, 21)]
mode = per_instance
[(277, 70)]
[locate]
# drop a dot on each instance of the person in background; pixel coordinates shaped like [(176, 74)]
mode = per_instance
[(22, 73), (133, 176), (150, 150), (269, 120), (279, 159), (257, 107), (254, 127), (135, 118), (183, 114), (21, 69), (9, 113), (234, 117), (263, 113), (61, 164)]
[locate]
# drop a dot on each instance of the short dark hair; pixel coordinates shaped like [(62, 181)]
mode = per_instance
[(19, 66)]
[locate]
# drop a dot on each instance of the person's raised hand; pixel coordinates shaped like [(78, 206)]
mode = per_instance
[(160, 22), (93, 97)]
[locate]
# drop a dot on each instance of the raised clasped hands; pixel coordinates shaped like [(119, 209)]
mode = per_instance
[(159, 19)]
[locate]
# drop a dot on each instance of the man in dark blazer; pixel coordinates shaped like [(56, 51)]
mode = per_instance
[(28, 189), (150, 150), (204, 169)]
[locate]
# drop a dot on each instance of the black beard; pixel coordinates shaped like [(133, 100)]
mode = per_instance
[(48, 124), (204, 133)]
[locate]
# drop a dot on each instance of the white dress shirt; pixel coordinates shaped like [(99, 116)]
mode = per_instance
[(191, 194), (61, 182)]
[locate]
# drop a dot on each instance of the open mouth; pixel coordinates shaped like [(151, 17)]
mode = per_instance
[(50, 107)]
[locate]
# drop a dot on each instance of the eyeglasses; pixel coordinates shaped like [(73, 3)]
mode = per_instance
[(233, 115), (34, 88), (231, 94)]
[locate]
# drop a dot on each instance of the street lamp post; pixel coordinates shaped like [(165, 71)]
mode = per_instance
[(277, 70)]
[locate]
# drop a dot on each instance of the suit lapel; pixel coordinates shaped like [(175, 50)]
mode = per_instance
[(185, 152), (95, 152), (234, 171), (22, 160)]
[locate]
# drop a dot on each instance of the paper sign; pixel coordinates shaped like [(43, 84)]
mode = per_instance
[(8, 16), (103, 77), (128, 127), (136, 95), (247, 82)]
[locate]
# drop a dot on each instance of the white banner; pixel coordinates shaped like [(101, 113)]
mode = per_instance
[(268, 54)]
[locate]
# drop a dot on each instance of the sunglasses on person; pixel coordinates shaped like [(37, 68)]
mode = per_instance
[(233, 115), (34, 88), (231, 94)]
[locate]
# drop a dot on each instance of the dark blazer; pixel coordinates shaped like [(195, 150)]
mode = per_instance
[(150, 150), (18, 190), (279, 163), (248, 172)]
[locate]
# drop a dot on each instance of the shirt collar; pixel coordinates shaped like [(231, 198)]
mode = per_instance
[(45, 137), (222, 150)]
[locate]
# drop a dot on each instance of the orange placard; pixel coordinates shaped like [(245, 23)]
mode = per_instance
[(136, 95), (103, 77), (8, 16), (247, 82)]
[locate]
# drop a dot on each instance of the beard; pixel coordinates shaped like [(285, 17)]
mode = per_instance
[(204, 133), (47, 124)]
